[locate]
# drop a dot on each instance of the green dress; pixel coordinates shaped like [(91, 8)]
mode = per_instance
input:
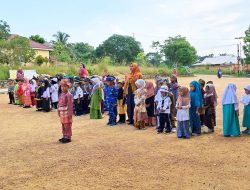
[(246, 116), (95, 104), (231, 126)]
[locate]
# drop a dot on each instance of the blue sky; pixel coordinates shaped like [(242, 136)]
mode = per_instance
[(209, 25)]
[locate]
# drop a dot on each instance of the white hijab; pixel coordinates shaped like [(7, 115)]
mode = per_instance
[(229, 96), (140, 84), (246, 98), (33, 86), (97, 84)]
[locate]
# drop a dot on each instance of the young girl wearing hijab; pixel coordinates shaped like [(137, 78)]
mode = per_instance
[(65, 111), (121, 103), (26, 94), (209, 105), (129, 90), (96, 98), (150, 102), (245, 100), (33, 91), (230, 104), (182, 106), (196, 103), (140, 112), (54, 92), (46, 96), (174, 86)]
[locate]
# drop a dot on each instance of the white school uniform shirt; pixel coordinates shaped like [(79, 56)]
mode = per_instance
[(78, 92), (164, 104), (54, 93), (46, 93), (183, 114)]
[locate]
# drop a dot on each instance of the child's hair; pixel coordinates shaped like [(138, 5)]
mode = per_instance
[(202, 83)]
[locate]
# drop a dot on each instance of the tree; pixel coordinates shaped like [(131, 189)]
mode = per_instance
[(37, 38), (119, 48), (153, 58), (177, 50), (20, 50), (61, 37), (82, 51), (4, 30), (246, 47)]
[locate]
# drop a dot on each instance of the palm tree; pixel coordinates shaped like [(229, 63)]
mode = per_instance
[(61, 37)]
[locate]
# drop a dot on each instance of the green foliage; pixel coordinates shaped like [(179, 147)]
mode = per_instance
[(40, 60), (37, 38), (61, 37), (119, 48), (4, 30), (16, 51), (82, 52), (61, 53), (246, 47), (4, 72), (177, 50)]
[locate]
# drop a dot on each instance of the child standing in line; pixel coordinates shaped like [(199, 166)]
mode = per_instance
[(86, 88), (174, 86), (65, 111), (150, 103), (11, 88), (33, 91), (121, 103), (196, 103), (209, 105), (54, 92), (246, 101), (39, 94), (159, 83), (78, 96), (17, 102), (96, 99), (20, 92), (182, 106), (111, 99), (140, 112), (231, 126), (164, 110), (46, 96), (202, 109), (26, 94)]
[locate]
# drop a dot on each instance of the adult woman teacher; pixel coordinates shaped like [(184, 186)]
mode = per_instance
[(83, 71), (130, 88)]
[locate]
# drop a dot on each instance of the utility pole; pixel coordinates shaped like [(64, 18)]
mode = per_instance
[(238, 58)]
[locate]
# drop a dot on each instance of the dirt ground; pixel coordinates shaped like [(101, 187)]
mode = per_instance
[(121, 157)]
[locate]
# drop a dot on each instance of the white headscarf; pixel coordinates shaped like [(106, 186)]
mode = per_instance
[(246, 98), (33, 86), (229, 96), (97, 84), (140, 84)]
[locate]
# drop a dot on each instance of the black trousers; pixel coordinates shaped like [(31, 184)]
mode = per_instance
[(11, 97), (54, 105), (39, 105), (165, 123), (78, 107), (46, 105), (85, 104), (210, 121)]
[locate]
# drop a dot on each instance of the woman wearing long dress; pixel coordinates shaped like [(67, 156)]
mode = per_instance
[(130, 88), (231, 126), (96, 98)]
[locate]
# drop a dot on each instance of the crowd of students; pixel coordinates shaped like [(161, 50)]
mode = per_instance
[(165, 105)]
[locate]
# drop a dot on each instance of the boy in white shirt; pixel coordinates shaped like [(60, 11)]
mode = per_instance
[(163, 107), (54, 92), (78, 96)]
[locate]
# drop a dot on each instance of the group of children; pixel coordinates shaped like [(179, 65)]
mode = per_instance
[(161, 105)]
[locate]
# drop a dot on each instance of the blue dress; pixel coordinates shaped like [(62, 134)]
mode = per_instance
[(196, 102)]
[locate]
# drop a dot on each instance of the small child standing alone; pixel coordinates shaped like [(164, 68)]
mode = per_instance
[(65, 111), (246, 101), (121, 103)]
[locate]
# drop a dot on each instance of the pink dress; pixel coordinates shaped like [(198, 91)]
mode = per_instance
[(26, 94)]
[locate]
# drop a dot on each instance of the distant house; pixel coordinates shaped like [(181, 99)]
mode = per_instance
[(222, 61), (43, 50)]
